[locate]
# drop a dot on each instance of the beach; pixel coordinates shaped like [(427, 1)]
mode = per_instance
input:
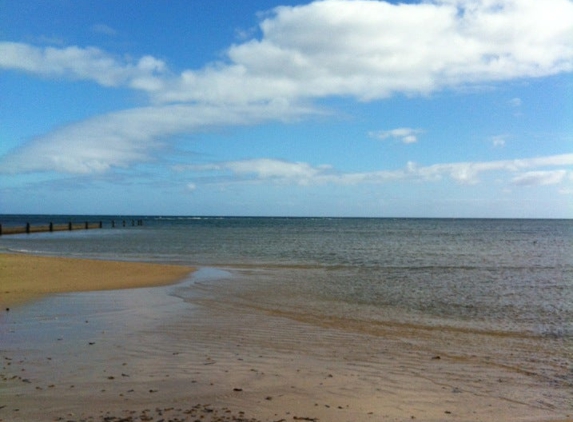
[(24, 277), (193, 351)]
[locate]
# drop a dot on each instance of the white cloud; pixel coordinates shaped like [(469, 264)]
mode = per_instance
[(117, 140), (468, 173), (274, 169), (463, 173), (265, 169), (405, 135), (363, 48), (80, 63), (373, 49), (540, 178)]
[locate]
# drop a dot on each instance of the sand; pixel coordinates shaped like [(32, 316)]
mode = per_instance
[(186, 353), (25, 277)]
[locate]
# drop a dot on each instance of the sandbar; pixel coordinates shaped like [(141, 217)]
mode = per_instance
[(27, 277)]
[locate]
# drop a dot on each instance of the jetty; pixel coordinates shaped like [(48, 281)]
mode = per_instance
[(71, 225)]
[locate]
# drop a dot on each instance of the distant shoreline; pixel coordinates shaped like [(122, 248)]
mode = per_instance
[(19, 219)]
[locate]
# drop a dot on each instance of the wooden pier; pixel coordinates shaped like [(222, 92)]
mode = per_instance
[(71, 225)]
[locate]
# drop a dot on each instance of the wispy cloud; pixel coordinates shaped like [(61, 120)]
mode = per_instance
[(465, 173), (366, 49), (83, 64), (540, 178), (404, 135), (515, 102), (498, 141), (104, 29), (118, 140), (265, 169)]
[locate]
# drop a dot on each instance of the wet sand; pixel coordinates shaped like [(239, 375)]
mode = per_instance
[(26, 277), (185, 353)]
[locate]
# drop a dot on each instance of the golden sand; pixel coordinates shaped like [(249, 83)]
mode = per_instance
[(27, 277)]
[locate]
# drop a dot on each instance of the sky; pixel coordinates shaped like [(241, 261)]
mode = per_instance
[(350, 108)]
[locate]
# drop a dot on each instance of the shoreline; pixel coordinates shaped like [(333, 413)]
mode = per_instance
[(25, 278), (189, 351)]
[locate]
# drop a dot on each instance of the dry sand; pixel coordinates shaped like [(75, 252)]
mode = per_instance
[(148, 355), (26, 277)]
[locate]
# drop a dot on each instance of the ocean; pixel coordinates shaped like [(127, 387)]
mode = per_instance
[(497, 289)]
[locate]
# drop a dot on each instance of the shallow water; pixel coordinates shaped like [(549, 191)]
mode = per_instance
[(497, 289)]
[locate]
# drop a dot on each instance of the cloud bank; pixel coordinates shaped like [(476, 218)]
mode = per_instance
[(465, 173), (365, 49)]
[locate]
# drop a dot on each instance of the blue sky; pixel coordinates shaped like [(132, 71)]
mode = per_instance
[(443, 108)]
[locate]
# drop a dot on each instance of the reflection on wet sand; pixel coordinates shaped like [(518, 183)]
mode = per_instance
[(196, 350)]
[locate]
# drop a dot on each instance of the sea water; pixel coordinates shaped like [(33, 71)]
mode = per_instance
[(510, 280)]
